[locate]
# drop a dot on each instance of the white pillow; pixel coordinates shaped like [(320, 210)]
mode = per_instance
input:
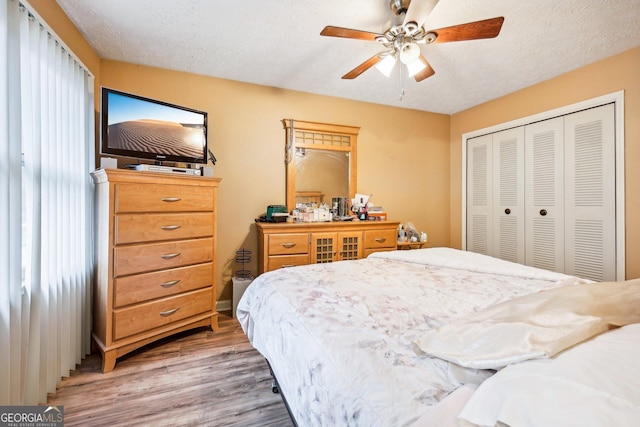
[(596, 383), (534, 326)]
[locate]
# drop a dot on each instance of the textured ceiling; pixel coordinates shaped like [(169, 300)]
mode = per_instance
[(277, 43)]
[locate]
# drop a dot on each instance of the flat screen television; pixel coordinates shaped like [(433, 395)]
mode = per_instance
[(139, 127)]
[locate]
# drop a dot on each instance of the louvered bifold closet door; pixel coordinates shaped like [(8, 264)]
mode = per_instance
[(479, 197), (590, 194), (544, 194), (508, 195)]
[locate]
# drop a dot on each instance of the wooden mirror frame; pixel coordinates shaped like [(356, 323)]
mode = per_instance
[(318, 136)]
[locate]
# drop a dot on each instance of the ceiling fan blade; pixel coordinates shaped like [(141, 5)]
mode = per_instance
[(427, 72), (485, 29), (418, 11), (363, 67), (348, 33)]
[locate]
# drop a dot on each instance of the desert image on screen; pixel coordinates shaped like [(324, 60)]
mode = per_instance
[(140, 125)]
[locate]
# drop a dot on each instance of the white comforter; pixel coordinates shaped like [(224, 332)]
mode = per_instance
[(340, 337)]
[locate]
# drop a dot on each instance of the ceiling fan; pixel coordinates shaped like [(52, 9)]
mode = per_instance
[(402, 41)]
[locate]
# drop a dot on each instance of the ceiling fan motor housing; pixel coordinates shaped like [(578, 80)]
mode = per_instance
[(399, 7)]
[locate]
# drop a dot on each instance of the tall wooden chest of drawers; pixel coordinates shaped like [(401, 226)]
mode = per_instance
[(155, 252)]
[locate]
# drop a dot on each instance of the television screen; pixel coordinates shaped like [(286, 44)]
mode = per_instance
[(134, 126)]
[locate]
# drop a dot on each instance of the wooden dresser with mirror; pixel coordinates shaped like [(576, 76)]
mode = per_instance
[(320, 163)]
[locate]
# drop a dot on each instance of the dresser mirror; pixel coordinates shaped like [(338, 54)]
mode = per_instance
[(320, 162)]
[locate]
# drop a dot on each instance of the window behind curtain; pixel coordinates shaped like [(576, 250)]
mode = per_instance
[(47, 132)]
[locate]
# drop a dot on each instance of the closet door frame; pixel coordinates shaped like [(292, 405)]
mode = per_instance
[(617, 98)]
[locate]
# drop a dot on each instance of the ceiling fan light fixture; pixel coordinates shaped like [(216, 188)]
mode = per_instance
[(411, 28), (415, 67), (386, 65), (409, 52)]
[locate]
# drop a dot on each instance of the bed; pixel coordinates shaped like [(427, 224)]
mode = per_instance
[(410, 338)]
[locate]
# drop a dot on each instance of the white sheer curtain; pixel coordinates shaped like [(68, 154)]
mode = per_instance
[(46, 256)]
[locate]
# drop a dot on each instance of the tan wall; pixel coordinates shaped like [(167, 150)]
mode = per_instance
[(247, 137), (620, 72)]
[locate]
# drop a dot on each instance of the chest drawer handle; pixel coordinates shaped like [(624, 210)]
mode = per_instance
[(288, 245), (169, 256), (169, 284), (170, 227), (171, 199), (169, 312), (381, 239)]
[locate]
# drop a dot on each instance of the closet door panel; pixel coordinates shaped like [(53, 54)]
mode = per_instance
[(508, 195), (479, 188), (544, 194), (590, 194)]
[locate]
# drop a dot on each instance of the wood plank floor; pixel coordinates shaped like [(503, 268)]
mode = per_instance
[(197, 378)]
